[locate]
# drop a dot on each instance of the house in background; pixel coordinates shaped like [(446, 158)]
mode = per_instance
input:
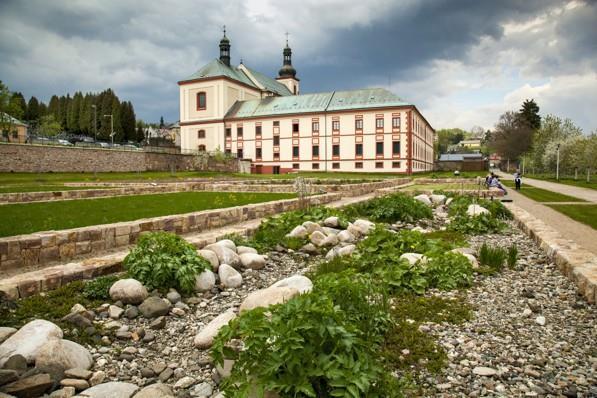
[(461, 162), (13, 130)]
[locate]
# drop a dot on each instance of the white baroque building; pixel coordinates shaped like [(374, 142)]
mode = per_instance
[(241, 111)]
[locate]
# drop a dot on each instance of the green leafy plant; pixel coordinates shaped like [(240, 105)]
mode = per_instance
[(99, 288), (512, 255), (391, 208), (449, 271), (163, 260), (492, 258)]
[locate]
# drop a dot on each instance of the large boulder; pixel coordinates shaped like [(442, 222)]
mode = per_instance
[(299, 282), (346, 250), (346, 237), (311, 227), (332, 222), (476, 210), (225, 254), (266, 297), (227, 243), (63, 354), (317, 238), (29, 340), (205, 337), (252, 260), (205, 281), (129, 291), (245, 249), (365, 226), (113, 389), (423, 199), (330, 240), (414, 258), (354, 230), (157, 390), (154, 306), (438, 199), (229, 277), (298, 232), (6, 332), (211, 257)]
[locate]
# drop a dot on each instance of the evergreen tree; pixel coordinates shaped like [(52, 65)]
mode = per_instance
[(54, 107), (32, 110), (530, 114), (140, 136), (19, 105), (162, 122), (74, 112), (64, 101), (118, 133)]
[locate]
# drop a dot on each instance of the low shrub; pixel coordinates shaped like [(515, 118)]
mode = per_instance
[(163, 260), (99, 288), (493, 258), (449, 271), (477, 225), (390, 209), (512, 255)]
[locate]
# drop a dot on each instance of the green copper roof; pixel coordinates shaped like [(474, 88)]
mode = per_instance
[(269, 83), (11, 120), (320, 102), (218, 68)]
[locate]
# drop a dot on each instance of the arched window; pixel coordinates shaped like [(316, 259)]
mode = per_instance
[(201, 134), (201, 101), (201, 148)]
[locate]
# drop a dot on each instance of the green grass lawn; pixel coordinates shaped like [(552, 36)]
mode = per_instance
[(568, 180), (33, 217), (586, 214), (541, 195), (44, 188)]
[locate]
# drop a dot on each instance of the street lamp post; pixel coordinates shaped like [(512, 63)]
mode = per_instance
[(558, 163), (94, 122), (111, 127)]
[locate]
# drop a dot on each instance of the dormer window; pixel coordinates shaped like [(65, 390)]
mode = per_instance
[(201, 101)]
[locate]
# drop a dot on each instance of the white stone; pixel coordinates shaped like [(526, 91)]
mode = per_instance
[(471, 259), (527, 312), (354, 230), (202, 390), (113, 389), (245, 249), (346, 250), (317, 238), (346, 236), (129, 291), (211, 257), (157, 390), (77, 309), (365, 226), (225, 254), (333, 252), (299, 282), (267, 297), (185, 382), (484, 371), (29, 340), (205, 337), (115, 312), (330, 240), (331, 231), (205, 281), (333, 222), (540, 320), (438, 199), (252, 260), (476, 210), (414, 258), (463, 250), (64, 354), (298, 232), (311, 227), (227, 243), (6, 332), (423, 199), (448, 201), (229, 277)]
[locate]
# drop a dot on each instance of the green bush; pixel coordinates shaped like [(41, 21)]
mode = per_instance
[(493, 258), (477, 225), (163, 260), (99, 288), (512, 255), (449, 271), (390, 209)]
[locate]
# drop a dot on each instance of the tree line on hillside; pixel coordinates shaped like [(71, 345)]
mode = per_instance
[(80, 114)]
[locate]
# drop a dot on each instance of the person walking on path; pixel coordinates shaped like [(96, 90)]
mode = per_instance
[(517, 180)]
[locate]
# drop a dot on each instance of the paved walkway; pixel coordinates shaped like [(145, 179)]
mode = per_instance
[(570, 190)]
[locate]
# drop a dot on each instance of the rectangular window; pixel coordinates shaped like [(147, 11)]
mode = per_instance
[(295, 127), (379, 123), (201, 134), (396, 147), (239, 132), (315, 150), (379, 165), (276, 140), (335, 166), (277, 123), (358, 149), (358, 124), (257, 130), (315, 127), (296, 166), (396, 122), (295, 151), (258, 153), (276, 156), (239, 153), (315, 166), (395, 165), (336, 125), (335, 150), (379, 148), (228, 132), (201, 101), (358, 165)]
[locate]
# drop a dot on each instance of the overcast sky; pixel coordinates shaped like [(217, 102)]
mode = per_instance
[(461, 62)]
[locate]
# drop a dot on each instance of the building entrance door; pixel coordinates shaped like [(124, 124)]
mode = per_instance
[(276, 169)]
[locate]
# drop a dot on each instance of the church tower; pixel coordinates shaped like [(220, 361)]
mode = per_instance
[(225, 49), (287, 74)]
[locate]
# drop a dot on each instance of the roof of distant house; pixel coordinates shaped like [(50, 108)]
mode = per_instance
[(12, 120), (459, 157)]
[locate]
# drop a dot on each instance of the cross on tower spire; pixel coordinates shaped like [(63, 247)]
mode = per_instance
[(286, 39), (224, 29)]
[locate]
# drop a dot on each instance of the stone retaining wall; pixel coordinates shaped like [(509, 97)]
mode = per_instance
[(578, 264), (40, 249)]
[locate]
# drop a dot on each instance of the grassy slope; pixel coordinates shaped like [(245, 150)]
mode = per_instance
[(31, 217), (586, 214), (542, 195)]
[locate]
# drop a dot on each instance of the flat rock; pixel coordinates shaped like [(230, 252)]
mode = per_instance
[(64, 354), (202, 390), (229, 277), (157, 390), (113, 389), (298, 282), (205, 281), (484, 371), (128, 291), (154, 306), (29, 387), (252, 260), (78, 384), (28, 340), (245, 249), (413, 258), (205, 337), (78, 373), (267, 297), (211, 257), (64, 392)]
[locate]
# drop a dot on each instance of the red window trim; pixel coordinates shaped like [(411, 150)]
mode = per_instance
[(199, 108)]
